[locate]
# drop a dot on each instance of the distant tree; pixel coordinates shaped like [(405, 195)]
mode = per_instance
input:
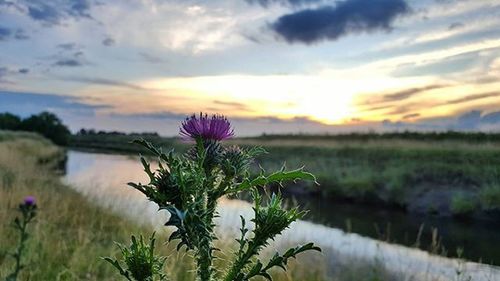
[(9, 121), (48, 125)]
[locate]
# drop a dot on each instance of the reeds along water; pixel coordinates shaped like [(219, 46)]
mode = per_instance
[(102, 178)]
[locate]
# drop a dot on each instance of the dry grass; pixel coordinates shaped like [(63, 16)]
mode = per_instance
[(70, 233)]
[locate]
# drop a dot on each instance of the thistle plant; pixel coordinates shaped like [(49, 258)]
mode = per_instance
[(188, 186), (28, 212), (141, 263)]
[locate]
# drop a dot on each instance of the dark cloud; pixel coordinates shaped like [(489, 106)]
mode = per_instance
[(4, 33), (8, 33), (267, 3), (23, 70), (101, 81), (332, 22), (71, 55), (44, 13), (456, 25), (473, 97), (108, 41), (67, 46), (69, 62), (52, 12)]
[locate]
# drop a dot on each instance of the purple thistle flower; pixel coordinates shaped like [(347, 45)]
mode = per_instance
[(215, 128), (29, 201)]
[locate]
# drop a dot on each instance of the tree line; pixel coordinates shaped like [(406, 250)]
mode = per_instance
[(44, 123)]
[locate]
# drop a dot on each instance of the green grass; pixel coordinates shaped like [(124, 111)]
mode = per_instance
[(392, 169)]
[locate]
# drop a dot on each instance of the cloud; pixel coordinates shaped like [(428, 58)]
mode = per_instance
[(456, 25), (8, 72), (267, 3), (68, 62), (473, 97), (491, 118), (233, 105), (102, 81), (52, 12), (108, 41), (411, 116), (4, 33), (71, 55), (405, 94), (8, 33), (25, 104), (473, 120), (380, 101), (67, 46), (332, 22)]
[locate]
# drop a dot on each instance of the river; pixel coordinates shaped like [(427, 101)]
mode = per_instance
[(102, 178)]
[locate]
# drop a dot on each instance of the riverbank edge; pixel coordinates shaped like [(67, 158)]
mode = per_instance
[(316, 191)]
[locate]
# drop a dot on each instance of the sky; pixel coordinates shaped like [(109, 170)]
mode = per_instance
[(271, 66)]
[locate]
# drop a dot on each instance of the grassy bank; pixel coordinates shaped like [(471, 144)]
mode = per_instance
[(70, 233), (448, 173)]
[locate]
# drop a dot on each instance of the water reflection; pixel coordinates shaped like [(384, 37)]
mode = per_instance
[(474, 237), (102, 178)]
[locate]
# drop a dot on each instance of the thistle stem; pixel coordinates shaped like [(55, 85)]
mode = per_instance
[(21, 226), (241, 261)]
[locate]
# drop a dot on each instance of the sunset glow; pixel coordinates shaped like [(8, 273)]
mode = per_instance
[(419, 62)]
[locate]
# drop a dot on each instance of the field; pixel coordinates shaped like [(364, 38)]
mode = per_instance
[(70, 234), (444, 174)]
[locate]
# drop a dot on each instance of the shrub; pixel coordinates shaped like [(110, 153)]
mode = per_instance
[(462, 204), (490, 197)]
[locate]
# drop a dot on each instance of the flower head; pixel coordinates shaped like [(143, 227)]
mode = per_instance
[(29, 201), (215, 128)]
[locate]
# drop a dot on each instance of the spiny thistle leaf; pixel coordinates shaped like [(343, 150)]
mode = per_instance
[(277, 177)]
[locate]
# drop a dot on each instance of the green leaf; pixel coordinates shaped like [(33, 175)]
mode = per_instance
[(277, 177)]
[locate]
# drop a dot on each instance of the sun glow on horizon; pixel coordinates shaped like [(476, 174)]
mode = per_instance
[(323, 98)]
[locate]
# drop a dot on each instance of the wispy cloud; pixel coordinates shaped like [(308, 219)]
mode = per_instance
[(407, 93), (474, 97), (105, 82)]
